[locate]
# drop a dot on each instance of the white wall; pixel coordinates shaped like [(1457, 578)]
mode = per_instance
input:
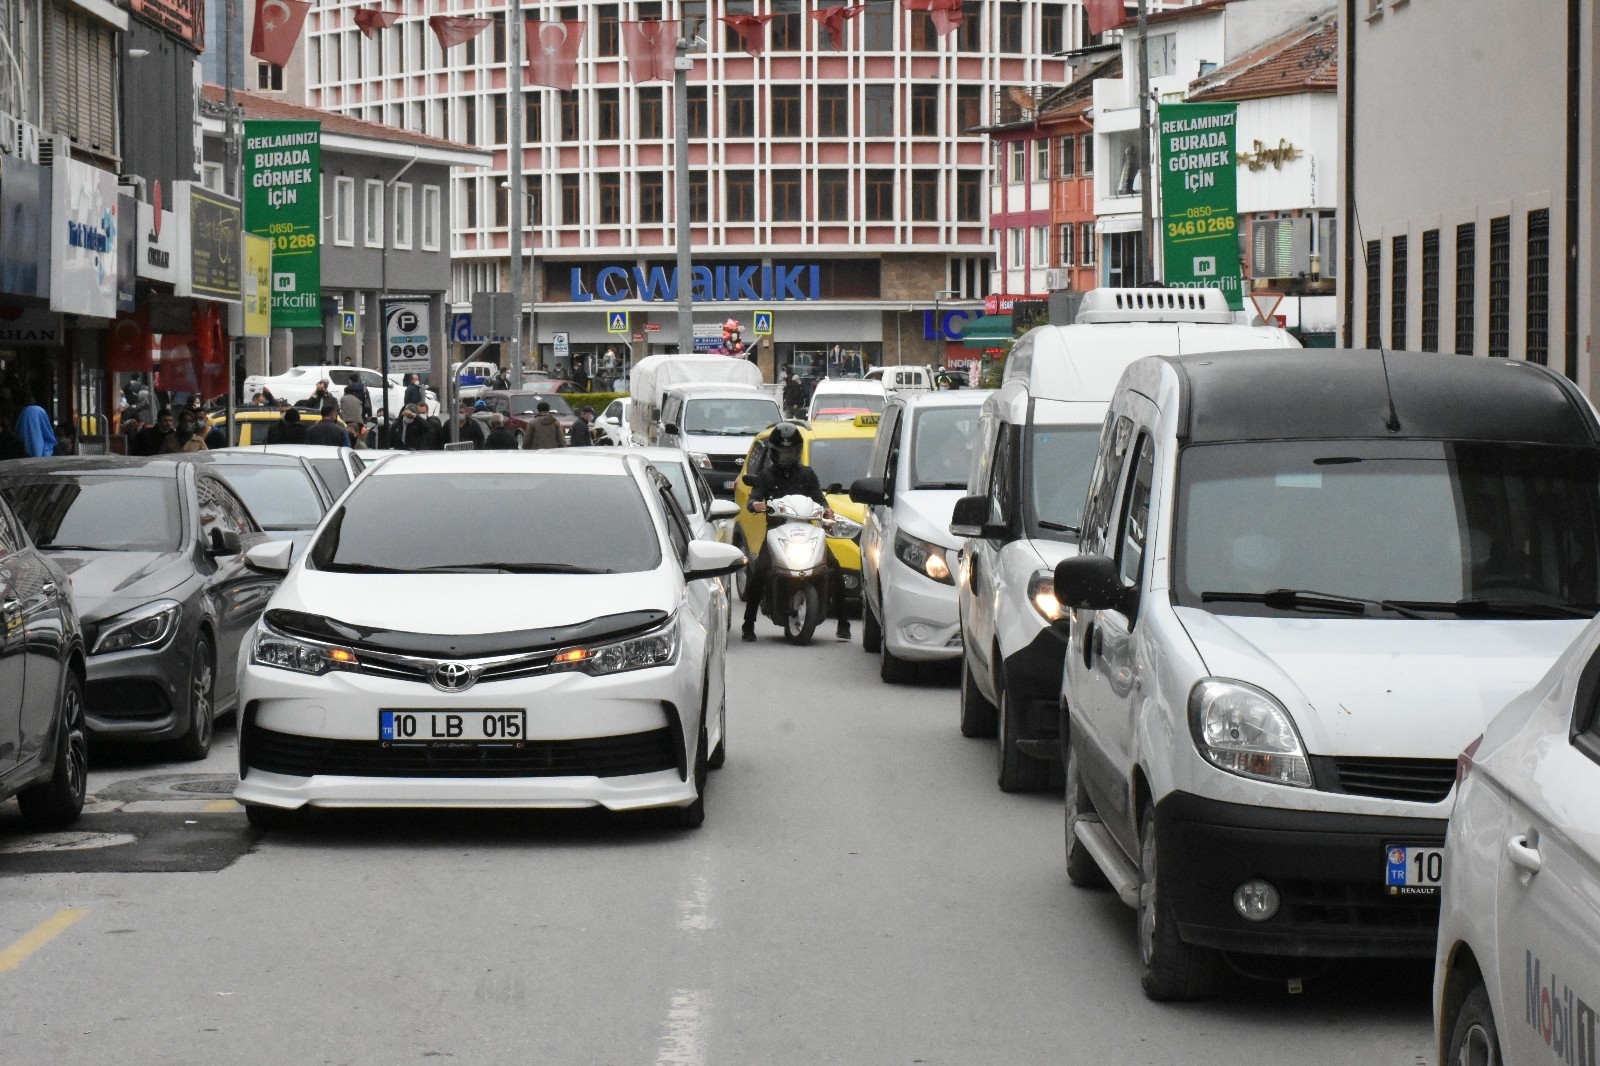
[(1309, 122)]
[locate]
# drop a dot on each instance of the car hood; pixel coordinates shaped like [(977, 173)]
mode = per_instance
[(925, 514), (472, 603), (726, 447), (104, 583), (1395, 688)]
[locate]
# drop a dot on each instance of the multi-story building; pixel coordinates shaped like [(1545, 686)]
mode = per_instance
[(851, 178), (1070, 120), (1471, 190)]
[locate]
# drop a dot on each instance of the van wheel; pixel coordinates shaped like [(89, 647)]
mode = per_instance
[(1474, 1040), (977, 713), (1082, 870), (1018, 772), (871, 631), (1170, 968)]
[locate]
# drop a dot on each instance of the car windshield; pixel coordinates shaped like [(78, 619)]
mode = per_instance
[(1059, 461), (1431, 524), (280, 497), (840, 460), (848, 401), (731, 417), (674, 473), (100, 513), (941, 447), (526, 404), (520, 523)]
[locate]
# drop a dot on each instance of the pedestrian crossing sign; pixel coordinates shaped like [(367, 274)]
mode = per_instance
[(762, 326), (616, 321), (347, 322)]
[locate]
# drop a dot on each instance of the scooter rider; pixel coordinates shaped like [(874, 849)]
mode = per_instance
[(784, 475)]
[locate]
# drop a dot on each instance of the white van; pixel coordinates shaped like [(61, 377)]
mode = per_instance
[(896, 378), (715, 424), (844, 398), (1036, 444)]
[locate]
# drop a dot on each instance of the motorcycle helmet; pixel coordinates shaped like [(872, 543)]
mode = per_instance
[(786, 444)]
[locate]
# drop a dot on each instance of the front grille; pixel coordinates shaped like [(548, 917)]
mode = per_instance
[(1344, 904), (127, 700), (620, 756), (728, 464), (1417, 780), (411, 669)]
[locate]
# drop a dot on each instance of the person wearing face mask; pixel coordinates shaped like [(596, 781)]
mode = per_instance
[(187, 436), (412, 433)]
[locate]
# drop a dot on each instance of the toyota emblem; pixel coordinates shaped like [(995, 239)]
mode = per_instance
[(452, 677)]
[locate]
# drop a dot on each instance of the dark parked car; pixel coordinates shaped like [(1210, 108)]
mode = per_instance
[(155, 552), (44, 751), (520, 407)]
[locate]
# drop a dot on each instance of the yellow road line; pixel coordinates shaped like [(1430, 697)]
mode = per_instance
[(221, 807), (39, 936)]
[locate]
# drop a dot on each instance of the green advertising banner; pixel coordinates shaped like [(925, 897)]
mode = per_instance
[(1199, 198), (282, 202)]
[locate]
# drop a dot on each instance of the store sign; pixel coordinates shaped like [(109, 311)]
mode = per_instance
[(405, 336), (1199, 198), (950, 326), (184, 19), (29, 327), (1005, 303), (83, 264), (257, 286), (709, 284), (283, 202), (208, 225), (25, 213), (1260, 156), (160, 256)]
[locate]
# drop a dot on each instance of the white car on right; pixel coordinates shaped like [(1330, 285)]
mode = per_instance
[(1517, 974)]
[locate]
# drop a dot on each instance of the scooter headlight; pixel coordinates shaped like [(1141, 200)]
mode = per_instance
[(797, 553)]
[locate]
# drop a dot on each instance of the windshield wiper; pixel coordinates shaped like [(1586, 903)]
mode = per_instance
[(510, 568), (1062, 527), (1491, 608), (1306, 599), (358, 568), (74, 548)]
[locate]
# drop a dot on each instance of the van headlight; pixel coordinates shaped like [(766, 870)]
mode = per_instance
[(1241, 729), (148, 626), (1042, 594), (925, 558), (302, 656), (659, 647), (700, 459)]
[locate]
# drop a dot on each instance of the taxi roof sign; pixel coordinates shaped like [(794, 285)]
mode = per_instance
[(868, 420)]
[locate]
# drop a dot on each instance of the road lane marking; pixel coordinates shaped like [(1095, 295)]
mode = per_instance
[(39, 936), (693, 911), (681, 1040), (222, 807)]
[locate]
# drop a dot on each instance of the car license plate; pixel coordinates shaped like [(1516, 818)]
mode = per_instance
[(454, 726), (1410, 870)]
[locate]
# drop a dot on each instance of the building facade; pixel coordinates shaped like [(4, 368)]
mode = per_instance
[(844, 190), (1471, 192)]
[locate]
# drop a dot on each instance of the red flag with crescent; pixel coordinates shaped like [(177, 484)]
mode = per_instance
[(277, 30), (946, 14), (1104, 15), (833, 19), (456, 29), (369, 20), (751, 30), (553, 53), (651, 45)]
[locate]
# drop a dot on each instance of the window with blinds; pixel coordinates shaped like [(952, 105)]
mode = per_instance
[(1430, 290), (1399, 280), (80, 80), (1272, 248), (1374, 293), (1500, 286), (1466, 286), (1538, 318)]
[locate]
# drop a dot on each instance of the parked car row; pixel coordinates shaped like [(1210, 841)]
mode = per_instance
[(1308, 639)]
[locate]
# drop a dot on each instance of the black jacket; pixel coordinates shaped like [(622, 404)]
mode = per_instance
[(500, 439), (417, 436), (772, 484), (473, 432), (286, 433), (327, 432), (580, 435)]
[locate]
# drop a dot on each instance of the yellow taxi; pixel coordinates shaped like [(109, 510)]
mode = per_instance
[(840, 452), (251, 424)]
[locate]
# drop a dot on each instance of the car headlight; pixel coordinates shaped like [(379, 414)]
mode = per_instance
[(1242, 730), (659, 647), (1042, 594), (700, 459), (302, 656), (143, 627), (927, 559), (845, 528)]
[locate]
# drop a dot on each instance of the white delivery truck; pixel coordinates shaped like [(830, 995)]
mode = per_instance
[(711, 406)]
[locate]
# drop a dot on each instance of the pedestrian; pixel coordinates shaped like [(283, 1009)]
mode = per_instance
[(414, 393), (794, 394), (352, 405), (500, 437), (318, 395), (187, 435), (469, 429), (288, 429), (152, 439), (328, 430), (33, 426), (239, 374), (544, 431), (411, 433), (501, 379), (195, 405), (581, 435)]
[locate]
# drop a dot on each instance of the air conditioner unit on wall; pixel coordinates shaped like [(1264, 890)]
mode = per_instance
[(1280, 248), (1057, 278)]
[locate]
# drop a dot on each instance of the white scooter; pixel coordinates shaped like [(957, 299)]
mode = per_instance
[(799, 579)]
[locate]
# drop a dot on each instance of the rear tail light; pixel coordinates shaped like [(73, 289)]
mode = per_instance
[(1464, 761)]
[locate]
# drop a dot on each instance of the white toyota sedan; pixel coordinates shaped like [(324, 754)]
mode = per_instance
[(1517, 975), (490, 629)]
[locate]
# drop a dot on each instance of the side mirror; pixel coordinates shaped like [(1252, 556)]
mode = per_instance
[(709, 559), (970, 519), (747, 481), (670, 427), (1091, 583), (833, 489), (870, 490), (723, 509), (225, 542), (270, 558)]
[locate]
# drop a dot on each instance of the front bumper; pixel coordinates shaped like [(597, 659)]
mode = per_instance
[(142, 694), (1328, 869), (1033, 680), (921, 617), (621, 742)]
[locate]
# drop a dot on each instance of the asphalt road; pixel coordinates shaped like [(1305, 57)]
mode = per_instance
[(861, 893)]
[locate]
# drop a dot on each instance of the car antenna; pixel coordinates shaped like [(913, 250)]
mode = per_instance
[(1391, 419)]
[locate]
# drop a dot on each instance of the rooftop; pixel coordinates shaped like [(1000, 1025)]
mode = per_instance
[(269, 106), (1303, 60)]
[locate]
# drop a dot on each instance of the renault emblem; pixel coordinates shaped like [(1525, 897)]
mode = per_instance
[(452, 677)]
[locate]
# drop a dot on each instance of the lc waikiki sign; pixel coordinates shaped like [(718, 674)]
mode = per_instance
[(1199, 198), (709, 284), (282, 202)]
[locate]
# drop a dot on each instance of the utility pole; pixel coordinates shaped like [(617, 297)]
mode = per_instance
[(682, 63), (233, 160), (1146, 202), (514, 28)]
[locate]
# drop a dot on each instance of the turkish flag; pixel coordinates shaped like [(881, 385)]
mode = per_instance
[(130, 347), (751, 30), (553, 53), (209, 350), (651, 45), (1104, 15), (946, 14), (456, 29), (369, 20), (833, 19), (277, 30)]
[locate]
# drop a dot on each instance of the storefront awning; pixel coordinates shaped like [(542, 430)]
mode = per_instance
[(990, 331)]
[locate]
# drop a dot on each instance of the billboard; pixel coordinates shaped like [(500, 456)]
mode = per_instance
[(1199, 198), (84, 246), (283, 202), (406, 347)]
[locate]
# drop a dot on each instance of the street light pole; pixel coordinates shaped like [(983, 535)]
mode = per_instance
[(938, 323), (514, 47), (1146, 203), (682, 63)]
